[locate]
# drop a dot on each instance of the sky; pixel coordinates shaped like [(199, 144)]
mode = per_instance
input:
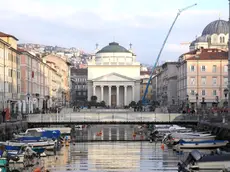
[(83, 23)]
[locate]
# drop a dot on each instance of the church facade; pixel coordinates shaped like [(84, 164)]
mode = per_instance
[(114, 76)]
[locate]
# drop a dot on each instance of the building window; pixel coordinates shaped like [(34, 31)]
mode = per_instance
[(192, 81), (19, 89), (84, 93), (203, 92), (214, 92), (222, 40), (214, 68), (203, 80), (192, 68), (225, 68), (225, 81), (214, 81), (203, 68), (192, 92)]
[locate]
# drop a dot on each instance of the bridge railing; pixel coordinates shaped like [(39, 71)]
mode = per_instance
[(107, 117)]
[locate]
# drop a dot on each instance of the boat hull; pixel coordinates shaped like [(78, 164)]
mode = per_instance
[(212, 165), (195, 139), (201, 145)]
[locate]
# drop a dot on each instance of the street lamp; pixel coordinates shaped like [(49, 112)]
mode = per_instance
[(226, 91), (28, 103), (225, 94), (217, 101), (197, 106), (187, 97)]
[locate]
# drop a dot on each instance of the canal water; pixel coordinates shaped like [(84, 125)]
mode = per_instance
[(115, 149), (114, 156)]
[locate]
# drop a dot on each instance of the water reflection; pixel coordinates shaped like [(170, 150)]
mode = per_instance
[(113, 156)]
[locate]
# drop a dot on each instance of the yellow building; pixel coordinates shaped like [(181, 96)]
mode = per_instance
[(61, 65), (10, 72)]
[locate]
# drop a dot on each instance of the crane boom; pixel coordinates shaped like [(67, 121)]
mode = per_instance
[(158, 57)]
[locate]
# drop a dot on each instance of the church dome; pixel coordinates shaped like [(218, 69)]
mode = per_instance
[(202, 39), (113, 47), (216, 27)]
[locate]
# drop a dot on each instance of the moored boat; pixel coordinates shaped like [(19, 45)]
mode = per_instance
[(201, 144), (174, 138), (41, 144), (197, 161)]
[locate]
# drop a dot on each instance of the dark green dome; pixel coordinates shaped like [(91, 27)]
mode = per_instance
[(113, 47)]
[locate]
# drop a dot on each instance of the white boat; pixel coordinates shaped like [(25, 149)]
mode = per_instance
[(49, 145), (208, 144), (201, 162), (174, 138), (161, 131)]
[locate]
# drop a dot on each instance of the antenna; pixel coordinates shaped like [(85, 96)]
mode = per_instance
[(97, 45)]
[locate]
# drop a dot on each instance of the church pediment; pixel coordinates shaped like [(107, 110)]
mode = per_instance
[(113, 77)]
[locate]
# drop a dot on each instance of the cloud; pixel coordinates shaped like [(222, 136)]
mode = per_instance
[(144, 23), (176, 48)]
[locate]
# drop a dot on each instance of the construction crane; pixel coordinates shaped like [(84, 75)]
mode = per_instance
[(144, 101)]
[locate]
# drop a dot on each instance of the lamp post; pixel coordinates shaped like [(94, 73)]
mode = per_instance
[(229, 62), (197, 107), (217, 101), (28, 103), (187, 97), (226, 92)]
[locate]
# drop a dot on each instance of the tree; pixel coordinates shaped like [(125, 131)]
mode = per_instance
[(102, 103), (94, 98), (132, 104)]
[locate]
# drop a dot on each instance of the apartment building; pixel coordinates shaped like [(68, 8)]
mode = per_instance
[(144, 75), (10, 74), (79, 86), (203, 73), (62, 66), (164, 84), (40, 83)]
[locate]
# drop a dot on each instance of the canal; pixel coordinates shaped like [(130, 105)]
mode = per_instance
[(113, 156), (115, 149)]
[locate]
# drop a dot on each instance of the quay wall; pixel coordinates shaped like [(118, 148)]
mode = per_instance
[(9, 128), (222, 131)]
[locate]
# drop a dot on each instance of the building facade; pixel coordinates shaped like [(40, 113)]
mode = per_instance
[(164, 84), (10, 74), (62, 66), (203, 73), (145, 74), (79, 86), (40, 83), (114, 76)]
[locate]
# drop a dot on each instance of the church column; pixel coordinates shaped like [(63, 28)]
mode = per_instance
[(125, 95), (133, 89), (102, 93), (109, 95), (94, 90), (118, 99)]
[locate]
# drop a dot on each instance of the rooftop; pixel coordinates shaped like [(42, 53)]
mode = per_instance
[(7, 35)]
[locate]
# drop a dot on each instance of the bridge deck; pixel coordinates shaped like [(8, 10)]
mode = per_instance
[(106, 118)]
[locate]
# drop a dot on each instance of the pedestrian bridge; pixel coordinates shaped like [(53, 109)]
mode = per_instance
[(75, 118)]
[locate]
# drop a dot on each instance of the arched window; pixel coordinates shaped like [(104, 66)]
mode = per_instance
[(220, 39), (223, 40)]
